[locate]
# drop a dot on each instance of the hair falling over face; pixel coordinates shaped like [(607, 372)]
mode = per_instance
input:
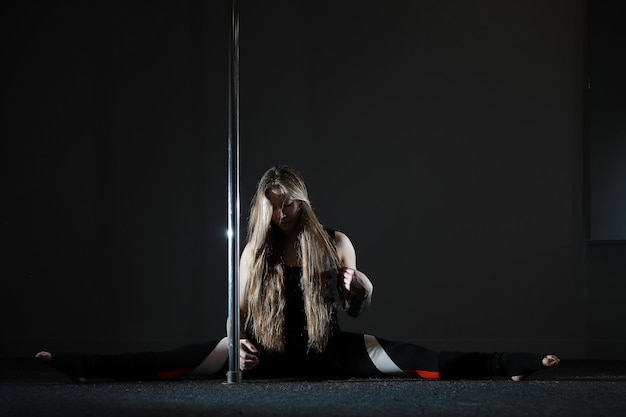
[(265, 287)]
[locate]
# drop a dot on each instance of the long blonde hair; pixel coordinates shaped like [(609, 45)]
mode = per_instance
[(265, 287)]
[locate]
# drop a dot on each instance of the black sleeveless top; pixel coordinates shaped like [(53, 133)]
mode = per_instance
[(296, 332)]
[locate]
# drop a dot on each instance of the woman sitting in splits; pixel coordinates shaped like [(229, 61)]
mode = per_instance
[(294, 276)]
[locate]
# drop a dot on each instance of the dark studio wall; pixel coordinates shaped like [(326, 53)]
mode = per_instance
[(605, 244), (113, 174), (606, 129), (445, 138), (449, 137)]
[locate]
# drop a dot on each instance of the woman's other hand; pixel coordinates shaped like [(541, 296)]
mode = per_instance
[(356, 283), (248, 355)]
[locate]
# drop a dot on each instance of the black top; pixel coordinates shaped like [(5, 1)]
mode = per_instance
[(296, 330), (295, 333)]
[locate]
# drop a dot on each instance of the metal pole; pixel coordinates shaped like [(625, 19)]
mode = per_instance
[(234, 373)]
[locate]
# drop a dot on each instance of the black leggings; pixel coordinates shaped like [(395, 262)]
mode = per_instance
[(347, 355)]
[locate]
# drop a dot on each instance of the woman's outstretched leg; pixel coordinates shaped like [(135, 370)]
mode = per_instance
[(363, 355), (516, 365), (205, 358), (366, 355), (83, 366)]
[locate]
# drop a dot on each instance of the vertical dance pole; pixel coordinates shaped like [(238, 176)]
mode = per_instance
[(234, 373)]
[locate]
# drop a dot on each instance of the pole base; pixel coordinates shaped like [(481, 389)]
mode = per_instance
[(233, 377)]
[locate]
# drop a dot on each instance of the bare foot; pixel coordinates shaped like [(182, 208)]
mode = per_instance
[(47, 357), (548, 361), (44, 356)]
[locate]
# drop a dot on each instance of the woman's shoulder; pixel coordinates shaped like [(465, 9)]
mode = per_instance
[(338, 236), (333, 233), (246, 251), (345, 249)]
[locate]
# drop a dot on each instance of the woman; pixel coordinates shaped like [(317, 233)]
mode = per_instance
[(294, 276)]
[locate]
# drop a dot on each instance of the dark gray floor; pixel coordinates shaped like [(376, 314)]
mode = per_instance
[(575, 388)]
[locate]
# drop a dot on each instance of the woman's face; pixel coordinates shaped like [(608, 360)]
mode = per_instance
[(285, 211)]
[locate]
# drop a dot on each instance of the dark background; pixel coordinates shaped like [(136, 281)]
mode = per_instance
[(451, 140)]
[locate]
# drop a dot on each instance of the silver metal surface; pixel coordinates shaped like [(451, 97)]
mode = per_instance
[(234, 373)]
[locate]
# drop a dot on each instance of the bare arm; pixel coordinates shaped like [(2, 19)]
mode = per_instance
[(357, 287)]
